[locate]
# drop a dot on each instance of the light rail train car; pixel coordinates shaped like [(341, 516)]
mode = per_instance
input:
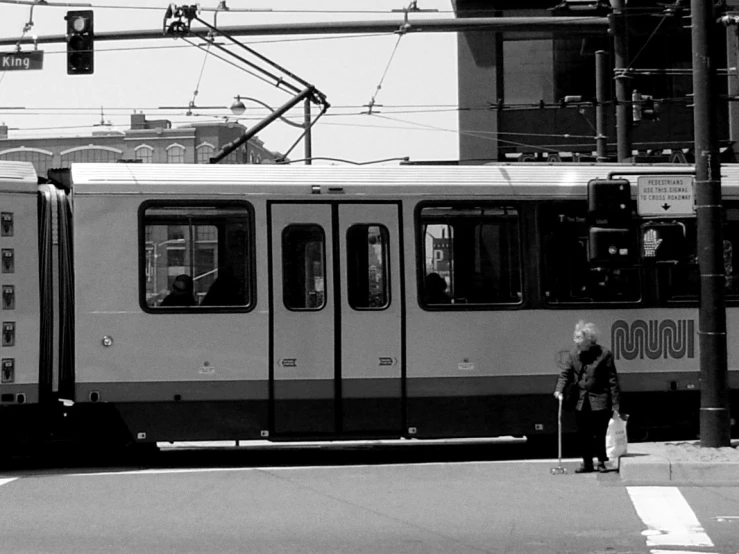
[(148, 303)]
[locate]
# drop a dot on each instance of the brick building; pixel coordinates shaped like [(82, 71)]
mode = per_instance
[(151, 141)]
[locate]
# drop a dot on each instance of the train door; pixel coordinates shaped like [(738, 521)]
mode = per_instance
[(336, 319)]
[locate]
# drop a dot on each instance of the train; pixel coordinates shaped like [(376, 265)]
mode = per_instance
[(153, 303)]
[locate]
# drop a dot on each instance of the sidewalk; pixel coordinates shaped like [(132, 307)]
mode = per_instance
[(680, 462)]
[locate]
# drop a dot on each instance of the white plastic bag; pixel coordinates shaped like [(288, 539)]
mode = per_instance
[(616, 441)]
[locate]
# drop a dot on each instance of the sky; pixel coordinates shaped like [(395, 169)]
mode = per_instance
[(410, 79)]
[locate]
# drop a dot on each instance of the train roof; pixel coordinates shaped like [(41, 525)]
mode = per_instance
[(504, 180), (18, 177), (509, 180)]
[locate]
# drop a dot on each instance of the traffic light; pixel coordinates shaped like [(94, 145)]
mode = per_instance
[(80, 43), (610, 239), (644, 107)]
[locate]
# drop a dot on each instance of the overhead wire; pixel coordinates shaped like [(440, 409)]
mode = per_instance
[(386, 108), (200, 77), (233, 64), (372, 101), (487, 135), (399, 109), (26, 27), (483, 135), (646, 43)]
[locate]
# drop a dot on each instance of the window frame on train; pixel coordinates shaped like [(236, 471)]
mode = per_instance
[(233, 251), (678, 280), (567, 276), (669, 280), (437, 212), (368, 267), (293, 279)]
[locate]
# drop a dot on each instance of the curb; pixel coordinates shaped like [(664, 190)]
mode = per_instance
[(642, 469)]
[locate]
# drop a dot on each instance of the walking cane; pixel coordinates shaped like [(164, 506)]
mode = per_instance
[(559, 470)]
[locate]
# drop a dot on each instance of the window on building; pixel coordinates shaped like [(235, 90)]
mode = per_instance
[(201, 252), (471, 255), (255, 157), (238, 156), (304, 267), (91, 155), (567, 274), (205, 153), (368, 253), (175, 154), (41, 161), (145, 153)]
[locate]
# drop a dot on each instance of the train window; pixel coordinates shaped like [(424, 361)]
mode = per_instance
[(681, 280), (197, 256), (367, 267), (731, 253), (471, 255), (304, 267), (567, 275), (673, 247)]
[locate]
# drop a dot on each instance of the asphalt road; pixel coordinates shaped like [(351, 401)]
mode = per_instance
[(196, 502)]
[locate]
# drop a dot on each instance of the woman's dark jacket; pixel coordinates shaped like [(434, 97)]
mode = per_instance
[(595, 373)]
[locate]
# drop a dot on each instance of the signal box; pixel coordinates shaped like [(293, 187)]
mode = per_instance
[(80, 42), (609, 202), (610, 246), (663, 242)]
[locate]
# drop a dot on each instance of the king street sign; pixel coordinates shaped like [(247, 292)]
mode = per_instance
[(21, 61)]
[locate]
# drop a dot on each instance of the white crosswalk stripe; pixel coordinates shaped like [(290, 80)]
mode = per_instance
[(4, 481), (669, 519)]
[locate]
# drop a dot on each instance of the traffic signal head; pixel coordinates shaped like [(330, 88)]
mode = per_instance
[(664, 241), (643, 107), (80, 43), (609, 202)]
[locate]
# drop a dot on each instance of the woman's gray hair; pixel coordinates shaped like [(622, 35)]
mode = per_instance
[(588, 330)]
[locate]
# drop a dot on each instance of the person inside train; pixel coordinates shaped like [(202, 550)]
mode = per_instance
[(182, 292), (435, 289), (226, 290), (598, 394)]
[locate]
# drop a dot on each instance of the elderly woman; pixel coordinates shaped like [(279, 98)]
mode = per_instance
[(591, 366)]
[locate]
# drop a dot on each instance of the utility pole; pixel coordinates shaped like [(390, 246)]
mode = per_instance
[(308, 138), (601, 97), (715, 426), (617, 25)]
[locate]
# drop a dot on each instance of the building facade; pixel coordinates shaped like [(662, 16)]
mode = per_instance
[(515, 87), (147, 141)]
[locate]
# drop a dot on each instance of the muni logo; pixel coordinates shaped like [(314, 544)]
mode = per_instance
[(653, 338)]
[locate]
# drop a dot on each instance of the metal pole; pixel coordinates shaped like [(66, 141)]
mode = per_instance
[(601, 97), (715, 427), (308, 136), (623, 98), (593, 26)]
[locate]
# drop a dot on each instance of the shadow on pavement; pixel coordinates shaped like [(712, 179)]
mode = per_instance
[(67, 459)]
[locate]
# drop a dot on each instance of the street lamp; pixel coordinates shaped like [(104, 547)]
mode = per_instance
[(238, 108)]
